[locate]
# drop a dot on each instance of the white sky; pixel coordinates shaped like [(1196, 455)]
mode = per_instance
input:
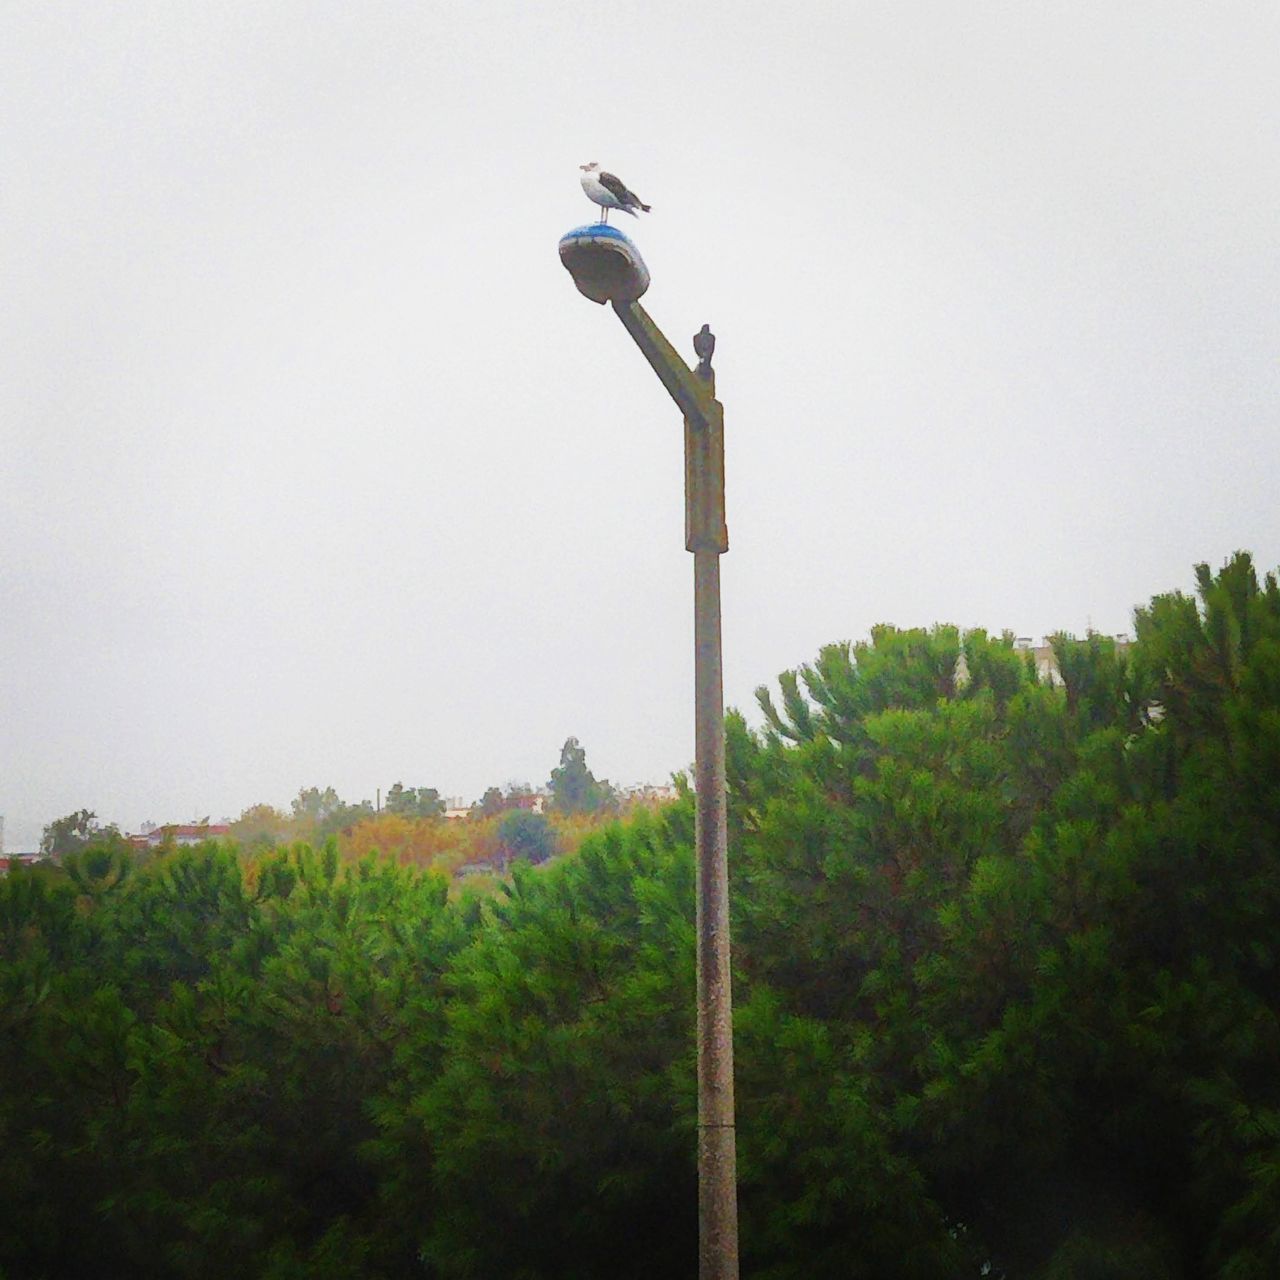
[(317, 470)]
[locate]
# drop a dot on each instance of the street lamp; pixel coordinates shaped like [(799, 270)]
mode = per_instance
[(607, 267)]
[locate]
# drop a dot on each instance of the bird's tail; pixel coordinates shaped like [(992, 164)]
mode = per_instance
[(645, 207)]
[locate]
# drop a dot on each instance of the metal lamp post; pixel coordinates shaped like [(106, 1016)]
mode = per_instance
[(606, 267)]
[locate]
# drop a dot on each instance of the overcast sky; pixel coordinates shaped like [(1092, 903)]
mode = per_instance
[(317, 470)]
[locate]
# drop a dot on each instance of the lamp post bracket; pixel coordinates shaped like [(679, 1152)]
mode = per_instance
[(695, 396)]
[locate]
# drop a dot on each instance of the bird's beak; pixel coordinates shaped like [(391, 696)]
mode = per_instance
[(584, 166)]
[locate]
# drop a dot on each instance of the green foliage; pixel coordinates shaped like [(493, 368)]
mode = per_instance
[(192, 1070), (527, 835), (73, 833), (414, 802), (1007, 991), (260, 826), (1035, 929), (318, 814), (495, 801), (574, 788), (562, 1116), (490, 804)]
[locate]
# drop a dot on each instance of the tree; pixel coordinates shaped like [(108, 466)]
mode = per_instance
[(414, 802), (569, 1051), (490, 804), (574, 788), (522, 834), (260, 826), (318, 814), (74, 832), (313, 806), (518, 795), (417, 841)]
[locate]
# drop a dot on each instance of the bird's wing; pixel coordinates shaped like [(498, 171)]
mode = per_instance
[(618, 189)]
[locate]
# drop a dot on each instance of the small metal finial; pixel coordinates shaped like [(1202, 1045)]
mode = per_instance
[(704, 345)]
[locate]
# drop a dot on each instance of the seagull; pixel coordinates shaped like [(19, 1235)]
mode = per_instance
[(609, 192)]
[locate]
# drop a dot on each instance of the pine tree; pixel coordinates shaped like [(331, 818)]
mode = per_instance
[(574, 788)]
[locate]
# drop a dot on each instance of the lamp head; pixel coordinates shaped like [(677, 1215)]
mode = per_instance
[(604, 264)]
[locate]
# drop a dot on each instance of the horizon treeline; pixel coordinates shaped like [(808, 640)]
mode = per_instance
[(409, 826), (1006, 1004)]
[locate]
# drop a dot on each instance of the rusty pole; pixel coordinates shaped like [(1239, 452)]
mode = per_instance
[(717, 1151), (707, 537)]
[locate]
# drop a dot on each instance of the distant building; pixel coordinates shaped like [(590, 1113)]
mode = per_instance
[(534, 801), (1042, 654), (181, 834), (11, 861), (643, 793), (456, 809)]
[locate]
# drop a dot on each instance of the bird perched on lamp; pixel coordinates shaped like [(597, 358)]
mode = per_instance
[(609, 192)]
